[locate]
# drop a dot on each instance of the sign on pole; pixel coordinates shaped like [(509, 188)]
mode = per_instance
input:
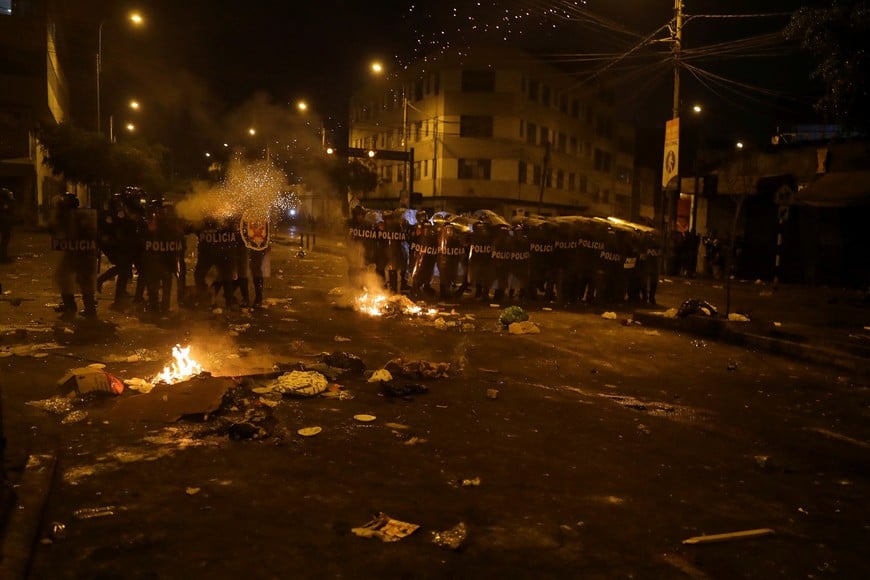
[(671, 162)]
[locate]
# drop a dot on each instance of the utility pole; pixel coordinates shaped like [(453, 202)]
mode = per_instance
[(677, 50), (672, 142)]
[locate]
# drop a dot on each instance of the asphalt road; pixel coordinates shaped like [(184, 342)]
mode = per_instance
[(605, 447)]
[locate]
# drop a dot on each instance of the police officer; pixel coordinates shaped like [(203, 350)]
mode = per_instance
[(163, 248), (74, 235), (423, 256), (361, 246), (7, 217), (216, 240), (121, 233), (255, 236)]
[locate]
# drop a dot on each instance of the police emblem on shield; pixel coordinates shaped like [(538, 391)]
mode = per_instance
[(255, 233)]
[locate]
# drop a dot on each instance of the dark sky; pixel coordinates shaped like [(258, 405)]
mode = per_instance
[(197, 62)]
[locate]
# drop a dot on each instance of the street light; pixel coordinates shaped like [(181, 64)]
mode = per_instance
[(302, 106), (137, 20), (377, 68), (132, 104)]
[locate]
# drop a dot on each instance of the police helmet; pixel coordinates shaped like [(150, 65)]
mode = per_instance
[(69, 200)]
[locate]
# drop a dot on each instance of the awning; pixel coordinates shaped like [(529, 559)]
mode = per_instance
[(838, 189)]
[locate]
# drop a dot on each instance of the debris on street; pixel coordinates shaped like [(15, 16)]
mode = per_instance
[(55, 405), (301, 383), (418, 369), (74, 417), (451, 538), (707, 539), (492, 393), (471, 482), (95, 512), (512, 314), (609, 315), (344, 360), (403, 391), (89, 379), (696, 306), (309, 431), (364, 418), (199, 396), (737, 317), (385, 529), (524, 327), (382, 375)]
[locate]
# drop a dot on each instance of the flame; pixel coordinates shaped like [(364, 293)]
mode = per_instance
[(380, 304), (181, 369)]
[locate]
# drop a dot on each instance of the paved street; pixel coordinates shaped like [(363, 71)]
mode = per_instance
[(590, 450)]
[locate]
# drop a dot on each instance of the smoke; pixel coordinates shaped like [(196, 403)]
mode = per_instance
[(250, 188)]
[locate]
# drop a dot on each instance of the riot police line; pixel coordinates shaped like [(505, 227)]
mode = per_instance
[(565, 259), (143, 235)]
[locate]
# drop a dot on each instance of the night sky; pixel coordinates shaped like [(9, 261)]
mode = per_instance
[(199, 64)]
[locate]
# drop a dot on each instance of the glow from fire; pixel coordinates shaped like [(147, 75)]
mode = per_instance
[(181, 369), (380, 304)]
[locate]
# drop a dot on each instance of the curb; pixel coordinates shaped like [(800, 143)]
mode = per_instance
[(23, 523), (718, 329)]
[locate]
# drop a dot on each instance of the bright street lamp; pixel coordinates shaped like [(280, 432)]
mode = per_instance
[(377, 68), (137, 20)]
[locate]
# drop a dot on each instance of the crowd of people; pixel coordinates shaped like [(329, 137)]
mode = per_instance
[(144, 241), (563, 259)]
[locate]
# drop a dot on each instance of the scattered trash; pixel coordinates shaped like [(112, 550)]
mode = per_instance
[(696, 306), (492, 393), (56, 405), (302, 383), (494, 305), (74, 417), (524, 327), (451, 538), (670, 313), (512, 314), (90, 380), (341, 338), (472, 482), (57, 531), (385, 529), (192, 490), (140, 355), (732, 366), (737, 317), (336, 292), (418, 369), (403, 391), (415, 441), (140, 385), (345, 360), (777, 324), (609, 315), (547, 309), (95, 512), (729, 536), (400, 426), (382, 375), (309, 431), (364, 418)]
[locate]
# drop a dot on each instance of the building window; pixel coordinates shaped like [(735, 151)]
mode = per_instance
[(545, 135), (605, 196), (474, 168), (425, 168), (522, 128), (534, 90), (623, 174), (602, 160), (536, 174), (604, 127), (523, 175), (387, 173), (418, 130), (572, 181), (563, 104), (575, 108), (531, 133), (478, 81), (563, 143), (400, 173), (545, 95), (560, 179), (572, 146), (584, 184), (475, 126), (418, 166)]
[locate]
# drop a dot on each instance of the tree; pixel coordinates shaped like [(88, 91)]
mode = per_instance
[(88, 157), (836, 37), (352, 176)]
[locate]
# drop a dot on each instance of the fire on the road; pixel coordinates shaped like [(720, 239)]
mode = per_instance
[(181, 369), (380, 304)]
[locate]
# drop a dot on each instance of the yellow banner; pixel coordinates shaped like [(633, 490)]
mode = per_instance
[(671, 162)]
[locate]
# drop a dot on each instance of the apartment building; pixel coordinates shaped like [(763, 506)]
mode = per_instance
[(497, 129), (34, 92)]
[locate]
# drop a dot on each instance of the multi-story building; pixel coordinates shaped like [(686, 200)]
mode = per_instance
[(497, 129), (34, 92)]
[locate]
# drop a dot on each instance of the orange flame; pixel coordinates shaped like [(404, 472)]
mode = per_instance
[(380, 304), (181, 369)]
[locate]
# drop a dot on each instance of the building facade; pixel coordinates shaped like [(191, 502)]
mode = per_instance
[(497, 129), (34, 93)]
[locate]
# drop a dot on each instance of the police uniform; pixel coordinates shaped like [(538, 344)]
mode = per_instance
[(74, 236), (257, 241)]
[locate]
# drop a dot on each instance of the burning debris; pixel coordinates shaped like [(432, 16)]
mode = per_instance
[(382, 304), (181, 369)]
